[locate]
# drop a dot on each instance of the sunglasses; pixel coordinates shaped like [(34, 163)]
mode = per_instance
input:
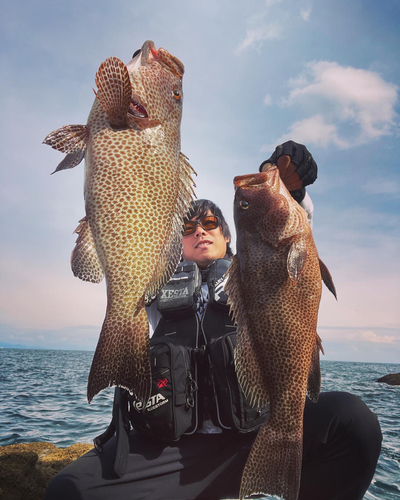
[(207, 222)]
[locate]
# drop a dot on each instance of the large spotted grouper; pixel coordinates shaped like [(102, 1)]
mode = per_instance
[(274, 287), (138, 187)]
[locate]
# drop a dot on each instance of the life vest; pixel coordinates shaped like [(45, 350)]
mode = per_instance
[(205, 329)]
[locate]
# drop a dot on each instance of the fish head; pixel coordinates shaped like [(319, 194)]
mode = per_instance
[(264, 208), (156, 78)]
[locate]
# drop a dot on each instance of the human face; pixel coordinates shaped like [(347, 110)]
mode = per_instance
[(202, 246)]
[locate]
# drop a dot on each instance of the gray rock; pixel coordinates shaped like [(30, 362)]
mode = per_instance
[(391, 379)]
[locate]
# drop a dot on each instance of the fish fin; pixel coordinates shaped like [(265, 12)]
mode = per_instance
[(122, 356), (248, 370), (296, 259), (246, 365), (70, 161), (85, 262), (273, 466), (172, 251), (314, 376), (115, 90), (68, 139), (327, 278)]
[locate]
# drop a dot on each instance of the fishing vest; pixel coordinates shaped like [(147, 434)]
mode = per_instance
[(192, 364), (192, 359)]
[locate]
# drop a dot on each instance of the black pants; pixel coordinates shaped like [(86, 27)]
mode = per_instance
[(342, 441)]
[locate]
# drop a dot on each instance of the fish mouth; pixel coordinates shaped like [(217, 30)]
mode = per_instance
[(248, 181), (137, 109), (149, 54)]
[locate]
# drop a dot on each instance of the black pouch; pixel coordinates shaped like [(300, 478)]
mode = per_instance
[(180, 296), (171, 411), (233, 409)]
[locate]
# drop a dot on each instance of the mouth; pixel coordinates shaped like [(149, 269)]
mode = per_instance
[(136, 109), (203, 244), (257, 180)]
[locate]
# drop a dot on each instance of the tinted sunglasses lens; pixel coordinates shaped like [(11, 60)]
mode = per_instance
[(210, 222), (189, 227)]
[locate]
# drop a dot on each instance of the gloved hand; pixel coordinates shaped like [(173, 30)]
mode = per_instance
[(296, 165)]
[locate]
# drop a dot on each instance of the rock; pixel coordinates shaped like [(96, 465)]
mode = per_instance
[(391, 379), (27, 468)]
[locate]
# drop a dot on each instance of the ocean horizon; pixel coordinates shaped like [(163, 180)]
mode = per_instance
[(43, 398)]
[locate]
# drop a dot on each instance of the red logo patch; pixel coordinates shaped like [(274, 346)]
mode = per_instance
[(162, 382)]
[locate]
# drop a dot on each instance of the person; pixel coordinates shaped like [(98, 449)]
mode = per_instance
[(342, 437)]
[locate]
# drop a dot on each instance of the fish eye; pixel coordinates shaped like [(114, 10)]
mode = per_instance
[(244, 204), (177, 94)]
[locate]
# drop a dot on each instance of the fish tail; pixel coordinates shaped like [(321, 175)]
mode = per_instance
[(122, 357), (274, 464)]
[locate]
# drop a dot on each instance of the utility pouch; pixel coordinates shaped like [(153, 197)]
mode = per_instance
[(171, 411), (233, 409), (180, 296)]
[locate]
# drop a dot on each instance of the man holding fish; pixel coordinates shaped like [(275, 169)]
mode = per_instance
[(274, 288)]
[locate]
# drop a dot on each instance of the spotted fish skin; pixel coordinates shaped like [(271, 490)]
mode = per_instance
[(274, 287), (138, 187)]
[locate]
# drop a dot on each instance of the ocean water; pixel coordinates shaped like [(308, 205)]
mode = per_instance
[(43, 398)]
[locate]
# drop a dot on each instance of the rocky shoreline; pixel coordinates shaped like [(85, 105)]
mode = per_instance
[(27, 468)]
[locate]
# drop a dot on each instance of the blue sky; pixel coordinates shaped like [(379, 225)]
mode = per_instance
[(257, 73)]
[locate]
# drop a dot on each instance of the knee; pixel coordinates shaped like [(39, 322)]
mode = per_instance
[(61, 488), (357, 425), (340, 418)]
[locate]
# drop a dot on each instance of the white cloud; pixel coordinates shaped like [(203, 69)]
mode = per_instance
[(355, 96), (311, 131), (305, 12), (350, 335), (371, 336), (267, 100), (255, 37)]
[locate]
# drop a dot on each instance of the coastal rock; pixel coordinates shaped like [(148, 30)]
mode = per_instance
[(27, 468), (391, 379)]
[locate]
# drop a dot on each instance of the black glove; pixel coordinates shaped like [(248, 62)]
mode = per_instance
[(304, 163)]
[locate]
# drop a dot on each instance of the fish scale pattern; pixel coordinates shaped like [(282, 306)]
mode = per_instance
[(276, 310), (138, 188), (137, 192)]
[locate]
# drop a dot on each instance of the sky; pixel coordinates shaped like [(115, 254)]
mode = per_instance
[(257, 73)]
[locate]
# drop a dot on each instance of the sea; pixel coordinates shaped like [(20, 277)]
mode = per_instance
[(43, 398)]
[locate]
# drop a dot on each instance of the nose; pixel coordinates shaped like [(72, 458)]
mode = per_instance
[(199, 230)]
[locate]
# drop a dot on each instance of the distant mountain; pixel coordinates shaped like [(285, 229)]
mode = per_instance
[(6, 345)]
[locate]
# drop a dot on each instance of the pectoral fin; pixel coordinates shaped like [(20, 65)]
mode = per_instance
[(70, 161), (327, 278), (85, 263), (114, 90), (68, 139), (296, 259)]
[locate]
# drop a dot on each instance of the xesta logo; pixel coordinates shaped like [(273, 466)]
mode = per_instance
[(153, 403), (169, 294)]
